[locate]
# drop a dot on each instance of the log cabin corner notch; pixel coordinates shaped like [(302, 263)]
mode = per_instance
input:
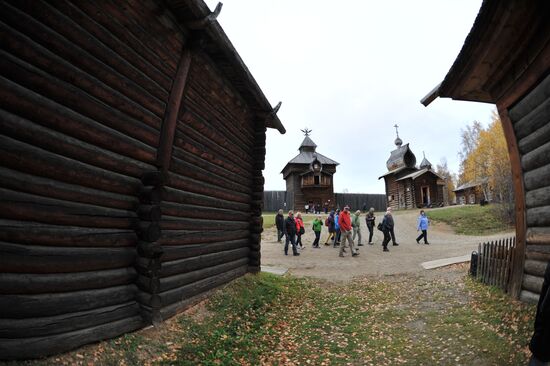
[(132, 146), (506, 60)]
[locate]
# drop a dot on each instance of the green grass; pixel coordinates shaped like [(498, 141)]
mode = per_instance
[(394, 320), (470, 219)]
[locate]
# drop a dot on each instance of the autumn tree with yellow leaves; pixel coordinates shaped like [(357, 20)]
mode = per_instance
[(484, 159)]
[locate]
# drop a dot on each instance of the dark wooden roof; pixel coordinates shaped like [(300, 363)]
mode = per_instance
[(400, 158), (509, 39), (218, 46)]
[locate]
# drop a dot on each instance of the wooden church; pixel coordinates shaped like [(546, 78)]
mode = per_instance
[(409, 186), (309, 177)]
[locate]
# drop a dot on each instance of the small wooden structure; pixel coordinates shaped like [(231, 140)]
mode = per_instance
[(409, 186), (309, 177), (469, 193), (132, 144), (506, 60)]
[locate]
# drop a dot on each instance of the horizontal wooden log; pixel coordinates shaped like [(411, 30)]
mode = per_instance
[(538, 216), (528, 297), (258, 181), (148, 266), (34, 107), (180, 280), (41, 305), (537, 178), (532, 283), (82, 59), (65, 93), (149, 250), (43, 326), (255, 238), (535, 268), (136, 29), (149, 212), (255, 256), (192, 151), (538, 197), (192, 289), (58, 67), (181, 237), (180, 223), (189, 198), (536, 158), (191, 185), (29, 283), (32, 160), (153, 82), (23, 258), (256, 229), (174, 252), (25, 232), (538, 236), (149, 231), (24, 206), (208, 176), (200, 212), (46, 187), (539, 130), (209, 162), (34, 347), (525, 112), (538, 256), (186, 265)]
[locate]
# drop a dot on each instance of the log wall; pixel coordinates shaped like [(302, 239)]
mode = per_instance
[(530, 120), (130, 172)]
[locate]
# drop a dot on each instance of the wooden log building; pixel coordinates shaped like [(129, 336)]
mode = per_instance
[(505, 60), (309, 177), (470, 193), (132, 146), (409, 186)]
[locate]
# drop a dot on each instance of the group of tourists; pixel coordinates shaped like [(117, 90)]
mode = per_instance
[(342, 230)]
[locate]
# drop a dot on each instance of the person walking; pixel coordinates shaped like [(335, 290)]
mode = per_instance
[(331, 229), (345, 230), (386, 225), (290, 233), (356, 224), (370, 223), (423, 223), (280, 222), (391, 226), (300, 229), (336, 229), (317, 227)]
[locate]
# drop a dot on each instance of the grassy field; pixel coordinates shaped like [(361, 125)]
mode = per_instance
[(470, 219), (268, 320)]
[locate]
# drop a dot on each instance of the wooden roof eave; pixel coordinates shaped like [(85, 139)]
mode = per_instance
[(221, 49), (493, 57)]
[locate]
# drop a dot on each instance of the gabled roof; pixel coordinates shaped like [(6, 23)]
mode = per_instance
[(419, 173), (306, 157), (471, 184), (308, 143)]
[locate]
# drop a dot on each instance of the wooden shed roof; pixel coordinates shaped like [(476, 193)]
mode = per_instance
[(218, 46), (508, 40)]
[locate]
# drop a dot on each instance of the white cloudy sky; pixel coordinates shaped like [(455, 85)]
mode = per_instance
[(349, 70)]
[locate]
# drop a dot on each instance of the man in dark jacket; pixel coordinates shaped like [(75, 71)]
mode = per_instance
[(540, 342), (280, 222), (387, 226), (290, 233), (391, 225)]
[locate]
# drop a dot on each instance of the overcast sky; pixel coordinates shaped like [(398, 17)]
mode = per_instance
[(351, 69)]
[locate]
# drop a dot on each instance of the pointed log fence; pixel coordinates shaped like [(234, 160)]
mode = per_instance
[(494, 262)]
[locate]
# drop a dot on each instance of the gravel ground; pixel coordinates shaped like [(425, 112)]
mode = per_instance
[(406, 258)]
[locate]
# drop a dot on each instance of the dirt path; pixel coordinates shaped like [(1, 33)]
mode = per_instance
[(405, 258)]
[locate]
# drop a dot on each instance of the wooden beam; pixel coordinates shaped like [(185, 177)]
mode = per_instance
[(519, 193), (168, 129)]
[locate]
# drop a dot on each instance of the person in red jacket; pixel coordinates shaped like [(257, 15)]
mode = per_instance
[(300, 229), (345, 228)]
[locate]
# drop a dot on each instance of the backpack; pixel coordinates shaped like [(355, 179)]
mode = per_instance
[(380, 227), (326, 221)]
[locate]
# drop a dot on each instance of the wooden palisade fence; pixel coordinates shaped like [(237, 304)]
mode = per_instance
[(494, 262)]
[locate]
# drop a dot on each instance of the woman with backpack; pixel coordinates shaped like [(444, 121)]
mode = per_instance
[(329, 222), (300, 229)]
